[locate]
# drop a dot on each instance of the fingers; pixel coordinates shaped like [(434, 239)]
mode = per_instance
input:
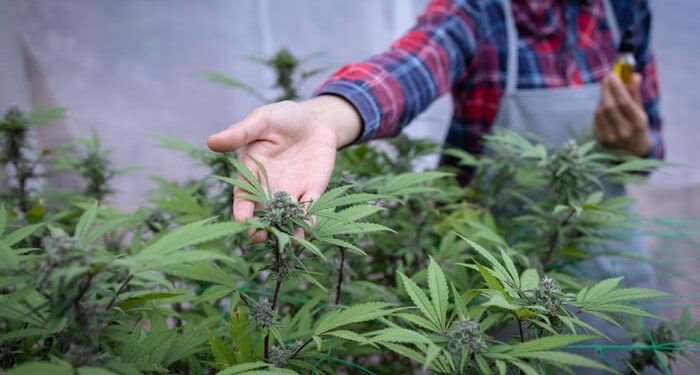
[(635, 88), (239, 134), (242, 209), (610, 121), (620, 119), (625, 102), (309, 196)]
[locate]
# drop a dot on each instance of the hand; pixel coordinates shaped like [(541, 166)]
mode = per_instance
[(620, 119), (296, 142)]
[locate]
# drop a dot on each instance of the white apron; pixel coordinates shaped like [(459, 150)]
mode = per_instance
[(555, 116)]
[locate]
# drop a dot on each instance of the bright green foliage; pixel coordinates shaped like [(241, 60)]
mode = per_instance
[(397, 272)]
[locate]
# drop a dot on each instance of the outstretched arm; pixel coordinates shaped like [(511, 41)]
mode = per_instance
[(297, 142)]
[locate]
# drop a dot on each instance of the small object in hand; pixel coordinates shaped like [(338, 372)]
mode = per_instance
[(626, 63)]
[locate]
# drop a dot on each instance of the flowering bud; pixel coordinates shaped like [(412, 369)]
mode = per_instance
[(465, 333), (546, 294), (262, 312), (281, 211)]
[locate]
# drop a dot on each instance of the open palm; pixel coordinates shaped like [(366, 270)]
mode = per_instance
[(296, 147)]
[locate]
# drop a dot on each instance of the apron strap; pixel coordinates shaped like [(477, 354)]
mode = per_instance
[(512, 51), (612, 22), (512, 39)]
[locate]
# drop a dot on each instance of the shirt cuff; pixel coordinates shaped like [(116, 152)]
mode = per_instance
[(364, 104)]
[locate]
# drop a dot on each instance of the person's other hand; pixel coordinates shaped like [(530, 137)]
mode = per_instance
[(296, 142), (620, 119)]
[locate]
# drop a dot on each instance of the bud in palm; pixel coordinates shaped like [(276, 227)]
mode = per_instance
[(282, 212)]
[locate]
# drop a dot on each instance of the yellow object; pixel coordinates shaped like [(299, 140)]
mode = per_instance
[(626, 64), (624, 67)]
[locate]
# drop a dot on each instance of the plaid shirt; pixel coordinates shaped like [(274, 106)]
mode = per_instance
[(460, 45)]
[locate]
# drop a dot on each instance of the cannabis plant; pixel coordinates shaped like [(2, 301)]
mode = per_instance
[(288, 73), (87, 159), (396, 271), (20, 159)]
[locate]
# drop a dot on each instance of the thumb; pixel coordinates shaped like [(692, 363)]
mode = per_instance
[(635, 87), (237, 135)]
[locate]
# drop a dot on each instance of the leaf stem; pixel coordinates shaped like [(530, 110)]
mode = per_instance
[(554, 239), (275, 297), (523, 338), (119, 291), (83, 290), (339, 287), (299, 349)]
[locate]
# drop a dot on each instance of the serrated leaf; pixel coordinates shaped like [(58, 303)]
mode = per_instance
[(399, 335), (85, 222), (34, 368), (405, 180), (256, 189), (405, 351), (223, 354), (241, 337), (417, 320), (601, 288), (89, 370), (490, 281), (546, 343), (349, 335), (199, 271), (21, 233), (189, 235), (568, 359), (421, 301), (439, 292), (354, 314), (3, 219), (104, 229), (254, 368), (529, 279)]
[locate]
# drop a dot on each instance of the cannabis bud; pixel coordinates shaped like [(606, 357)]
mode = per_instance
[(286, 265), (58, 244), (281, 211), (568, 179), (262, 313), (664, 333), (546, 294), (279, 356), (465, 333)]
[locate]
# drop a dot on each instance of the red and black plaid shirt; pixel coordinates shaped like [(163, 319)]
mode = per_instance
[(460, 46)]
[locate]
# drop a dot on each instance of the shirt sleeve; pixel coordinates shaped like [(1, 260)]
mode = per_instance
[(646, 66), (390, 89)]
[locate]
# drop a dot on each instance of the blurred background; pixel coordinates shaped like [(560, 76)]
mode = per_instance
[(132, 69)]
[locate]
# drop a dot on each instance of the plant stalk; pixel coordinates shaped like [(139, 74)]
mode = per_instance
[(554, 239), (307, 342), (119, 291), (275, 297), (339, 287)]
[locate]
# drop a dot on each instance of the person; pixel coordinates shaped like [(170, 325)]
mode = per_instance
[(541, 67), (537, 66)]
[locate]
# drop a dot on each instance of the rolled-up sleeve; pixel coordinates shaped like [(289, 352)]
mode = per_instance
[(390, 89)]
